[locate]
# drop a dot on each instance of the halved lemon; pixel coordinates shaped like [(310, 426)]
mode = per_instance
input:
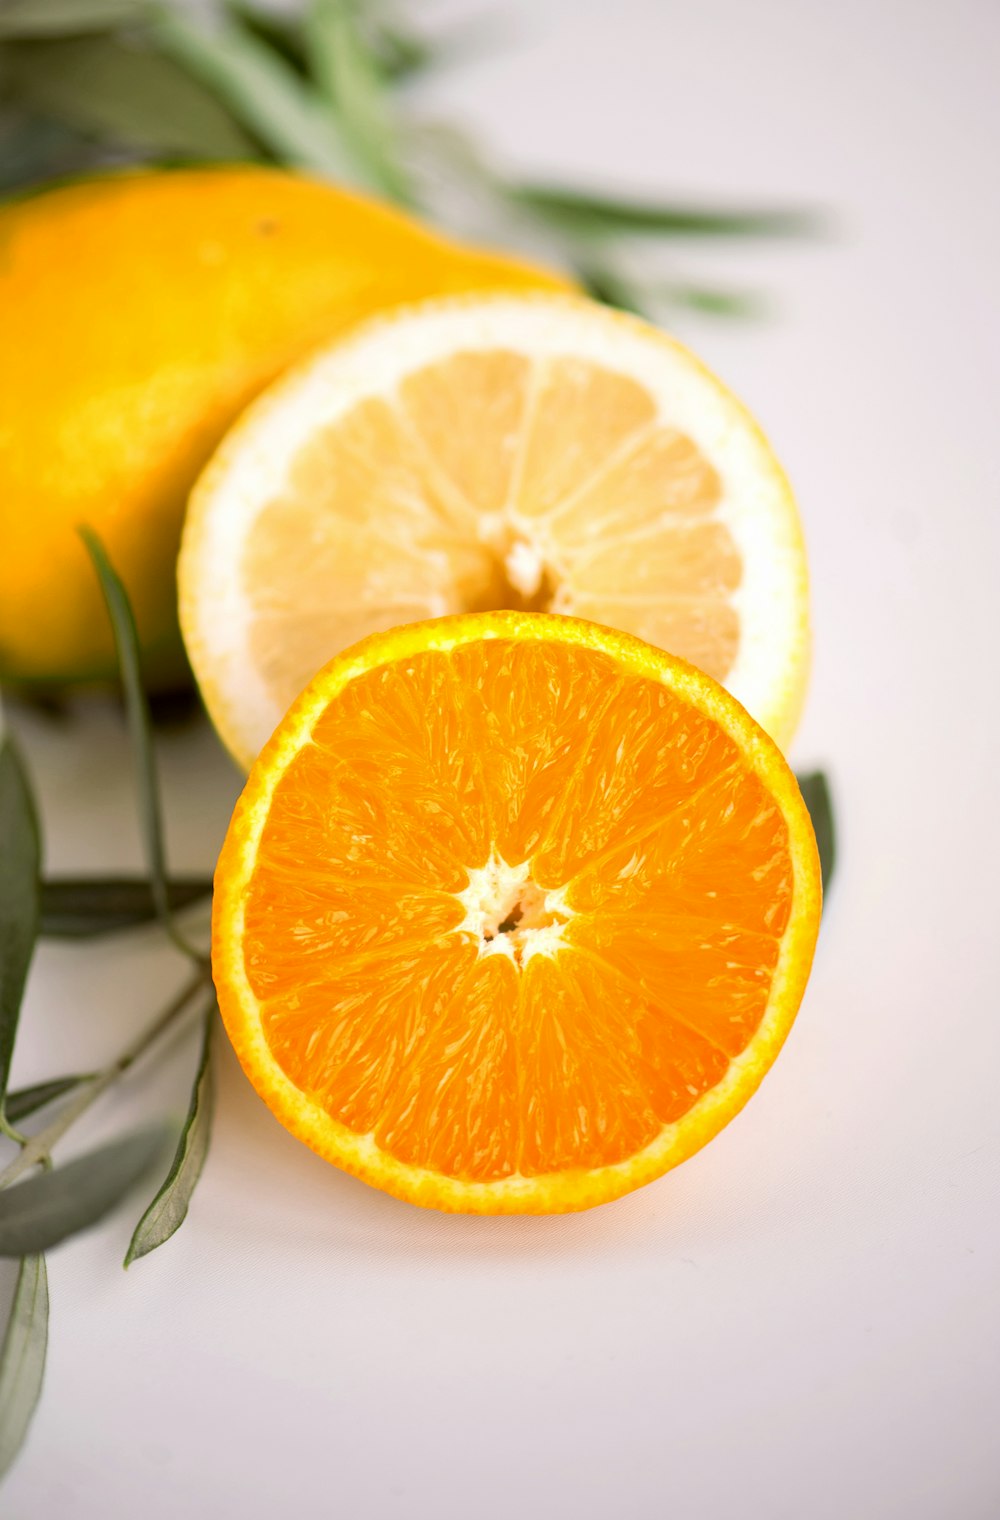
[(514, 913), (539, 453)]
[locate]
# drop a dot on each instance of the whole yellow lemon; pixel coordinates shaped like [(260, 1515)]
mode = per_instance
[(139, 313)]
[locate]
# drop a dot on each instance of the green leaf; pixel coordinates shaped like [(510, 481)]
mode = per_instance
[(260, 88), (815, 789), (53, 1205), (280, 32), (349, 78), (137, 715), (33, 149), (401, 54), (606, 284), (27, 1100), (81, 908), (20, 852), (22, 1357), (123, 93), (66, 18), (713, 301), (577, 211), (168, 1209)]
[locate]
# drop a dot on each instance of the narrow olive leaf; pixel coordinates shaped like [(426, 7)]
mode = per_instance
[(281, 33), (350, 81), (175, 706), (168, 1209), (137, 714), (714, 301), (123, 93), (53, 1205), (20, 853), (85, 907), (574, 210), (66, 18), (28, 1100), (606, 284), (815, 789), (402, 54), (53, 703), (261, 89), (33, 149), (22, 1357)]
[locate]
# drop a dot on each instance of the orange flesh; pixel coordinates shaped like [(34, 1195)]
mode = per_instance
[(488, 480), (555, 1032)]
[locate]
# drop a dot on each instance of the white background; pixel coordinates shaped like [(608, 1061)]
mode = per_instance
[(802, 1321)]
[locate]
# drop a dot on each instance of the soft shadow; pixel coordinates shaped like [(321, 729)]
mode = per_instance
[(296, 1193)]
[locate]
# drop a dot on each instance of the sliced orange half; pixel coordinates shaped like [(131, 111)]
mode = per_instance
[(539, 453), (514, 913)]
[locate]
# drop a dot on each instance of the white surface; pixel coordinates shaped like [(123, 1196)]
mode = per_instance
[(801, 1321)]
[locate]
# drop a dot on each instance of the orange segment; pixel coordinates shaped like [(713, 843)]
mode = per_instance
[(351, 1063), (450, 1108), (586, 1105), (514, 912), (527, 707), (531, 454), (674, 858), (673, 1065)]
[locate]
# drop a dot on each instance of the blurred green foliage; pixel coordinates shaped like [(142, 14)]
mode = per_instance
[(91, 84)]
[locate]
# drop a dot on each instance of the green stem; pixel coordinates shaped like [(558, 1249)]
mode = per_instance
[(36, 1150), (126, 637), (6, 1128)]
